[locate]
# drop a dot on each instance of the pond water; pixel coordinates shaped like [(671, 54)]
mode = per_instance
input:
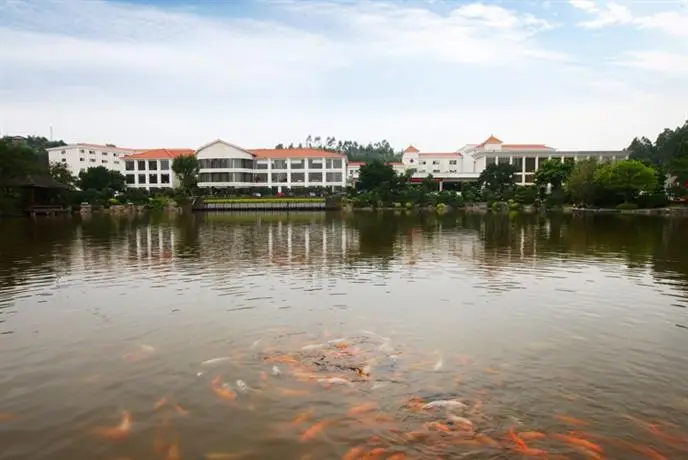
[(316, 336)]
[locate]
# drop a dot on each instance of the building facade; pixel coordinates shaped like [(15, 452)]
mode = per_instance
[(152, 169), (227, 165), (80, 157)]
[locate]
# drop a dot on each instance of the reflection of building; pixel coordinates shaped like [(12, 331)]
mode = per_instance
[(80, 157), (151, 243), (152, 168), (226, 165)]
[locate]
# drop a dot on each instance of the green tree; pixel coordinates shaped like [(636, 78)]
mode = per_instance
[(61, 173), (552, 172), (498, 180), (101, 179), (581, 183), (17, 160), (428, 184), (377, 176), (353, 150), (627, 177), (186, 168)]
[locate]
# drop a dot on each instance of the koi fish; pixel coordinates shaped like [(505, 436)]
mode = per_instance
[(444, 403), (180, 410), (531, 435), (397, 456), (574, 441), (334, 381), (7, 416), (222, 390), (311, 347), (291, 392), (438, 365), (313, 431), (302, 417), (241, 386), (461, 422), (276, 370), (355, 453), (256, 343), (438, 427), (336, 341), (118, 432), (212, 361), (137, 355), (571, 420), (173, 452), (161, 402), (363, 408)]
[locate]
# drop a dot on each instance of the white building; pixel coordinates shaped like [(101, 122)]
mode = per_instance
[(469, 161), (152, 169), (354, 169), (227, 165), (80, 157)]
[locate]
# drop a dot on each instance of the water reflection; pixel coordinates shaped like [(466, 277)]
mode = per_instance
[(532, 316)]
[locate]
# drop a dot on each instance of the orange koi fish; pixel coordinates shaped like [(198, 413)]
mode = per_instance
[(571, 420), (173, 452), (397, 456), (222, 391), (363, 408), (649, 452), (375, 453), (161, 402), (7, 416), (118, 432), (291, 392), (180, 410), (438, 427), (354, 453), (486, 440), (302, 417), (314, 430), (574, 441), (531, 435), (511, 436)]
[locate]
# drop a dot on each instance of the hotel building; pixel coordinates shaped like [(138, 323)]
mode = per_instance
[(152, 168), (80, 157)]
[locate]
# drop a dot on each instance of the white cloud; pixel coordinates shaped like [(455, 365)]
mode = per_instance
[(673, 23), (588, 6), (667, 63), (429, 74)]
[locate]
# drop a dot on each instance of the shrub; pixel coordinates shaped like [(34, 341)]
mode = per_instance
[(627, 206), (653, 200), (441, 208), (515, 206)]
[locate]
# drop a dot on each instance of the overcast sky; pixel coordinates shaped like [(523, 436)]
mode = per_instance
[(437, 74)]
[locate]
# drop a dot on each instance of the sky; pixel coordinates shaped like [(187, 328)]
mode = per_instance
[(577, 74)]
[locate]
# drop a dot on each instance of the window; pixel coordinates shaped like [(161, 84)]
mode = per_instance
[(129, 165), (298, 177), (152, 178), (518, 163), (81, 151), (503, 160), (64, 152), (91, 152), (315, 163), (452, 162), (435, 162), (142, 178), (164, 178), (530, 165), (152, 165), (530, 178), (131, 179), (411, 160), (92, 160), (260, 177), (116, 162), (452, 170), (64, 160), (569, 160), (435, 171), (298, 164), (490, 161), (141, 165), (261, 164), (279, 177), (315, 177), (333, 177), (103, 161), (115, 154), (279, 164), (333, 163), (104, 154), (165, 165), (82, 159), (422, 162), (556, 159)]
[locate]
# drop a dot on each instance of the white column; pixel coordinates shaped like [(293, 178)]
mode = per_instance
[(289, 243), (306, 183), (270, 239), (307, 242)]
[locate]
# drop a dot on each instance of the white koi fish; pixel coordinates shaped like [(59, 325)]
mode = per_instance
[(210, 362), (241, 386), (336, 341), (461, 421), (438, 365), (256, 343), (315, 346), (276, 371), (444, 403), (335, 381)]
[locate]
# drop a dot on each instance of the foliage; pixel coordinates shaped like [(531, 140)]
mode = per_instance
[(101, 179), (17, 161), (498, 181), (552, 172), (264, 200), (627, 206), (669, 152), (581, 183), (186, 168), (627, 177), (61, 173), (526, 194), (354, 151), (378, 177)]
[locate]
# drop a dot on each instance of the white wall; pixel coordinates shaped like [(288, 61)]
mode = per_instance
[(79, 157)]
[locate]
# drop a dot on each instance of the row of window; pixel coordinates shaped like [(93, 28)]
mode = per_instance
[(279, 178), (147, 165), (436, 162), (530, 161), (236, 163), (93, 152), (92, 160), (152, 179)]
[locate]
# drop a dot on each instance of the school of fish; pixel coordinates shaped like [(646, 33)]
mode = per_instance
[(376, 410)]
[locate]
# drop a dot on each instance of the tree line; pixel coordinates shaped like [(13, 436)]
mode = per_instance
[(353, 151)]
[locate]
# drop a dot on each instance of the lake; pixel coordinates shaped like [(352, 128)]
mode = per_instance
[(318, 336)]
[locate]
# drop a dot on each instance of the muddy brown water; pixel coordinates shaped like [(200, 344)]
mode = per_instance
[(541, 324)]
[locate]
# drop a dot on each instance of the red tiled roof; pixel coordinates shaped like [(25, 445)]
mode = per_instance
[(160, 154), (489, 140), (525, 146), (356, 163), (411, 149), (441, 154), (294, 153)]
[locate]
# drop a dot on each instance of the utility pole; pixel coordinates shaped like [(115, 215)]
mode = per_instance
[(51, 134)]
